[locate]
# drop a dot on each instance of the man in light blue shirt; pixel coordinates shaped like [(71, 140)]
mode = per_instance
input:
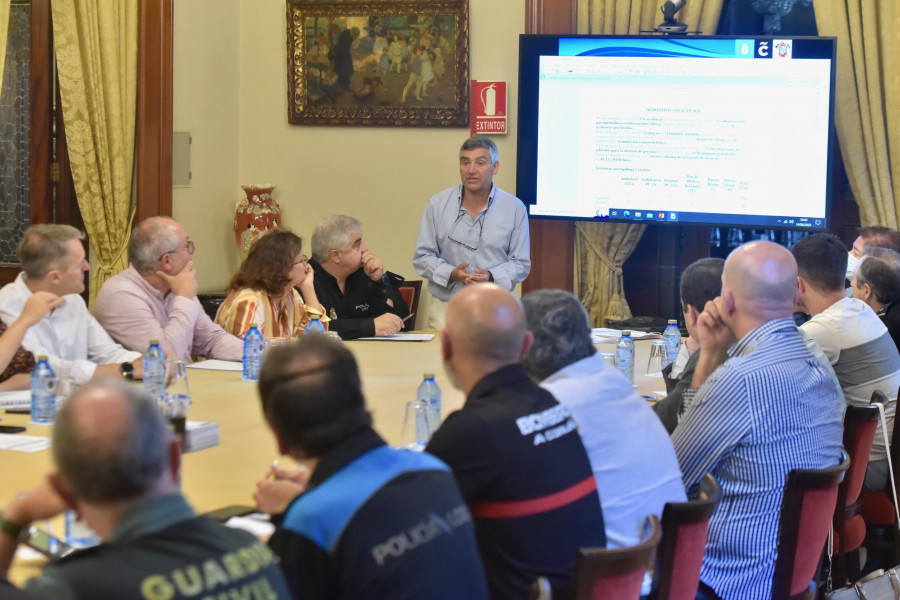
[(473, 232)]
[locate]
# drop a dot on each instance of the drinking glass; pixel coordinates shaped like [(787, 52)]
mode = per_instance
[(415, 433), (609, 358), (657, 357), (175, 402)]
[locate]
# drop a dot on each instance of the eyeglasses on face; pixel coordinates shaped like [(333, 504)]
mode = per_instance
[(190, 249)]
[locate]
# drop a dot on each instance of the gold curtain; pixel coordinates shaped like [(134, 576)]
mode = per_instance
[(602, 248), (867, 96), (96, 54), (4, 30)]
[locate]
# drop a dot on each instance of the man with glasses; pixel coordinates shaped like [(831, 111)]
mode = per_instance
[(155, 298), (472, 233), (361, 298)]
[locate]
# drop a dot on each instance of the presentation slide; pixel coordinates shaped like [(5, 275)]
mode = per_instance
[(682, 136)]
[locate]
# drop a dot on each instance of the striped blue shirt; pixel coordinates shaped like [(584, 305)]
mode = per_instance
[(769, 408)]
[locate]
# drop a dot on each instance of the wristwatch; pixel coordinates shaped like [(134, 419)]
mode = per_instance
[(386, 280), (10, 529), (127, 370)]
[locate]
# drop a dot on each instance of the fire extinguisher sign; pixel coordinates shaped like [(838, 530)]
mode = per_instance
[(488, 108)]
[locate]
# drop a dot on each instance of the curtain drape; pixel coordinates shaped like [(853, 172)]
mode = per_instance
[(867, 96), (4, 30), (602, 248), (96, 53)]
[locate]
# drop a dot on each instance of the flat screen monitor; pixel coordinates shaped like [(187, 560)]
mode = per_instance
[(730, 131)]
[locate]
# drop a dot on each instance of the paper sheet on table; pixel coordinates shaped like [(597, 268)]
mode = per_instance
[(217, 365), (19, 399), (601, 335), (23, 443), (402, 337), (256, 525)]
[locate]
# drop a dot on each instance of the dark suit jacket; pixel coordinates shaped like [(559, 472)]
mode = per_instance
[(669, 407)]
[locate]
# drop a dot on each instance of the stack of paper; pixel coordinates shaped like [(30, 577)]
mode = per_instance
[(16, 400), (200, 435), (604, 336)]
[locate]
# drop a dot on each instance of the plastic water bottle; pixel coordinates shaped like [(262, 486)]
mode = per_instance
[(155, 370), (43, 392), (315, 326), (625, 356), (78, 533), (430, 395), (672, 337), (253, 352)]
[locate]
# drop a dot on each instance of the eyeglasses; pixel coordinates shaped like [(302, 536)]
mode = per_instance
[(303, 259), (454, 235), (190, 249)]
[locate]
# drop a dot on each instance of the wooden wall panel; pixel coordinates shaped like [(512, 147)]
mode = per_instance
[(552, 241), (154, 110)]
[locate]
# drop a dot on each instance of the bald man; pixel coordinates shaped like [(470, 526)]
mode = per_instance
[(155, 298), (515, 451), (118, 467), (759, 405)]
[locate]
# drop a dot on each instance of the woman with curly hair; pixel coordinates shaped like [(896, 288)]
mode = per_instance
[(263, 290)]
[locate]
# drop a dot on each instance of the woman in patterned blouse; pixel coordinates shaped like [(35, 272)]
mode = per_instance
[(263, 290)]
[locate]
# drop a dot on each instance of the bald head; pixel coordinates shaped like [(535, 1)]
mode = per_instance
[(762, 277), (110, 442), (486, 322)]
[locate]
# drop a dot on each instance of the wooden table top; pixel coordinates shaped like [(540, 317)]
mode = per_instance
[(227, 474)]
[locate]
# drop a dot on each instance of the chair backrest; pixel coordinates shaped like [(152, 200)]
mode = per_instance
[(410, 290), (602, 574), (878, 396), (810, 496), (685, 526)]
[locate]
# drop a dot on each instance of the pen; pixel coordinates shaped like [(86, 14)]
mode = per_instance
[(406, 318)]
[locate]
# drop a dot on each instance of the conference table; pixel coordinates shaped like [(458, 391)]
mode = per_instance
[(226, 474)]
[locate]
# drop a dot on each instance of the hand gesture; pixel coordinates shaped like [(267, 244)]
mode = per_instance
[(479, 276), (40, 503), (388, 324), (278, 488), (372, 266), (459, 272), (38, 305), (713, 334), (183, 283)]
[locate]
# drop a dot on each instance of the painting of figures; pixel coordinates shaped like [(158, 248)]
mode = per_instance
[(378, 63)]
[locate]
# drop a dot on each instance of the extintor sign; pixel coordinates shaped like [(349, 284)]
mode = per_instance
[(488, 104)]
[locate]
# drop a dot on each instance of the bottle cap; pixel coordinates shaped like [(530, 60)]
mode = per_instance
[(428, 375), (626, 332), (154, 342), (673, 322), (254, 325), (42, 357)]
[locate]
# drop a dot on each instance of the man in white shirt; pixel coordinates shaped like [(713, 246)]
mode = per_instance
[(636, 473), (53, 260), (850, 334)]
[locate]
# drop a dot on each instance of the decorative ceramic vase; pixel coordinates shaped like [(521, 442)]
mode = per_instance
[(253, 215)]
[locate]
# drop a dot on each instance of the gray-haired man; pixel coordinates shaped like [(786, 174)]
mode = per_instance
[(361, 298)]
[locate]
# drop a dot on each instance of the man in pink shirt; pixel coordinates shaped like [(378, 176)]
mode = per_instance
[(156, 298)]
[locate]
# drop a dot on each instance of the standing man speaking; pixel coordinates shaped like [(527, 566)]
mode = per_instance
[(472, 233)]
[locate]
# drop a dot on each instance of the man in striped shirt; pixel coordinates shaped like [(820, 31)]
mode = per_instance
[(759, 406)]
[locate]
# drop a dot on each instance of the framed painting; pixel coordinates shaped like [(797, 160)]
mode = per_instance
[(378, 62)]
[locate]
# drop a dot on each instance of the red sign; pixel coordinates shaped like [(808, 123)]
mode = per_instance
[(488, 103)]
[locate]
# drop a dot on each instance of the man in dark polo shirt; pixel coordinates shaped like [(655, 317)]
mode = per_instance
[(371, 522), (118, 468), (514, 449), (361, 298)]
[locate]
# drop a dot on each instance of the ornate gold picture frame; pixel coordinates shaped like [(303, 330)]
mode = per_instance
[(378, 62)]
